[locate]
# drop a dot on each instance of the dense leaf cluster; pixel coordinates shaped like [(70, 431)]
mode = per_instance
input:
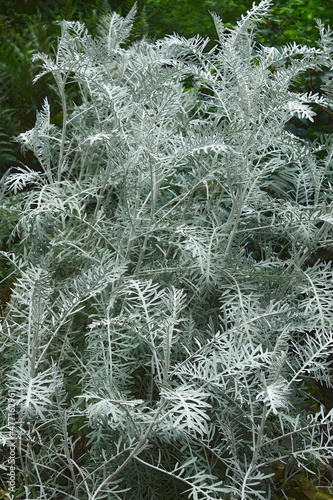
[(29, 27)]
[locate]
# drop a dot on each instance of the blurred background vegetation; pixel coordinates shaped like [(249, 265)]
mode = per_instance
[(29, 26)]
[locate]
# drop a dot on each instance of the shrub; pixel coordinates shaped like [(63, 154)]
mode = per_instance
[(170, 317)]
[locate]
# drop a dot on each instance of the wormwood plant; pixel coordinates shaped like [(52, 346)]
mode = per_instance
[(170, 320)]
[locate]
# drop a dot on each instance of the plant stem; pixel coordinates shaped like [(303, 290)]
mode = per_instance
[(255, 454), (136, 451), (61, 87)]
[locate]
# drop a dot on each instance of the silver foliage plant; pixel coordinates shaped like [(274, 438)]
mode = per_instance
[(166, 333)]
